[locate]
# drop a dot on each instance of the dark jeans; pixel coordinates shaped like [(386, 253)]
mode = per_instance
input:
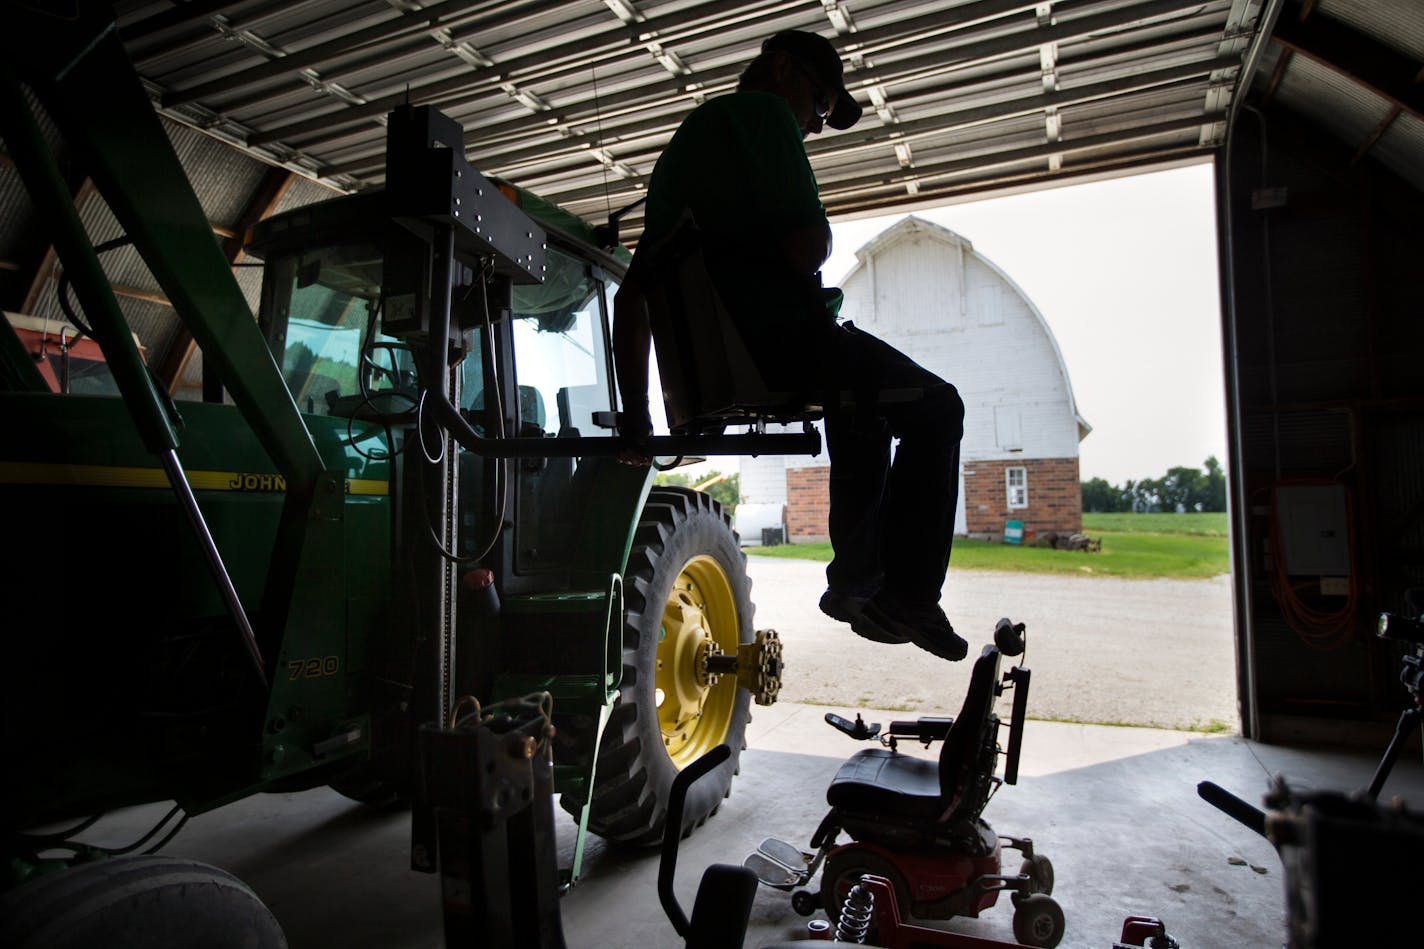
[(891, 524)]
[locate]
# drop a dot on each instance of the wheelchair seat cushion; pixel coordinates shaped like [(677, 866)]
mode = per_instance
[(878, 779)]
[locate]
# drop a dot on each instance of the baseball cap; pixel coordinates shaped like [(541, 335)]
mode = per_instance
[(817, 53)]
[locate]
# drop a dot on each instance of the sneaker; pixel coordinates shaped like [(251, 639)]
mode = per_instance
[(846, 608), (924, 625)]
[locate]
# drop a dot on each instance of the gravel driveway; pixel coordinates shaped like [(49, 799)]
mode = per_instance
[(1105, 650)]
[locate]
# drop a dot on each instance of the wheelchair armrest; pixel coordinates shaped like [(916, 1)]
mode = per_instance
[(925, 730)]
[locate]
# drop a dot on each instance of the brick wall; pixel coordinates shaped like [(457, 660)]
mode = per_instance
[(808, 503), (1055, 496)]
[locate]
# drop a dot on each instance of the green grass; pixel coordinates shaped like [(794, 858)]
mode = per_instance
[(1214, 727), (1206, 524), (1179, 546)]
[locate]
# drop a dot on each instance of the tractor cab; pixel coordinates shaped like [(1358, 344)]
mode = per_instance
[(68, 360)]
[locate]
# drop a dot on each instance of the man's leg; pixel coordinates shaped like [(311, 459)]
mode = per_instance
[(923, 491), (858, 443), (894, 532)]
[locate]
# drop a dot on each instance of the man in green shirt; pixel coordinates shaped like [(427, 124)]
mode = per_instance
[(738, 165)]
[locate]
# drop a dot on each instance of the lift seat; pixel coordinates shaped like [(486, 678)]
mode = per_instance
[(709, 378)]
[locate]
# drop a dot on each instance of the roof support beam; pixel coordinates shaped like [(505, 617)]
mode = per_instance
[(1362, 59), (269, 194), (49, 263), (1375, 135)]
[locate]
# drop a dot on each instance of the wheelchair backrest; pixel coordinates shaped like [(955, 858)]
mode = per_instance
[(969, 754)]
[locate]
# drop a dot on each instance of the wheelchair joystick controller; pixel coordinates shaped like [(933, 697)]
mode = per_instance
[(858, 729)]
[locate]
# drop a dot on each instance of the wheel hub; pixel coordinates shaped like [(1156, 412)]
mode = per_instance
[(699, 626)]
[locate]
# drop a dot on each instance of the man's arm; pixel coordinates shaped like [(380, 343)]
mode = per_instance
[(805, 249), (632, 338)]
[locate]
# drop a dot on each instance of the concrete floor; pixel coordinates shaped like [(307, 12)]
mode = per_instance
[(1115, 809), (1092, 656)]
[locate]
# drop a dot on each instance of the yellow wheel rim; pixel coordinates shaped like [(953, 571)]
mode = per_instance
[(700, 616)]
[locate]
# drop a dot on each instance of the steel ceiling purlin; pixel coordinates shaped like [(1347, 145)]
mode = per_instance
[(657, 28), (634, 101), (1024, 42), (937, 194), (584, 53), (923, 66), (412, 25), (948, 169), (925, 130), (422, 42), (199, 15), (178, 15), (834, 192)]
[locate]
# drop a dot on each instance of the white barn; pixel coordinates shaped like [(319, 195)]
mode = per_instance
[(925, 290)]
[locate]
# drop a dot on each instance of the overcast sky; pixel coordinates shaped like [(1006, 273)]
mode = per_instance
[(1125, 274)]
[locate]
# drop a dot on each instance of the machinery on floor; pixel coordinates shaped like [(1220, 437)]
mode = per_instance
[(918, 823), (1324, 837)]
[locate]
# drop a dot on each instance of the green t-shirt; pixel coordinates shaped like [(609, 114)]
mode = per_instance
[(738, 164)]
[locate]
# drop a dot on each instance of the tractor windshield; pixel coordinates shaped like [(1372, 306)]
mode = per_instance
[(317, 305)]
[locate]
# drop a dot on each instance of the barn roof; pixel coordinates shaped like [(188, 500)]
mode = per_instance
[(912, 226)]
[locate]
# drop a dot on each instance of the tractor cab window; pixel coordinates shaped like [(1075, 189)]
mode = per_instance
[(561, 365), (316, 305), (560, 351)]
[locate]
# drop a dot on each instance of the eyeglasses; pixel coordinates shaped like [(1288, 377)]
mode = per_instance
[(820, 101)]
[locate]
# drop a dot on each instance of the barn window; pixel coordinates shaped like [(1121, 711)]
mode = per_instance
[(1016, 484)]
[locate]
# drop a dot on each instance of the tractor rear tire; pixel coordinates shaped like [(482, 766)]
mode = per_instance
[(686, 590), (147, 902)]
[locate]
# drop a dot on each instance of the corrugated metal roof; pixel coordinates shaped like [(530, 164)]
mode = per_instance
[(1396, 24), (575, 100), (1346, 110), (1353, 67)]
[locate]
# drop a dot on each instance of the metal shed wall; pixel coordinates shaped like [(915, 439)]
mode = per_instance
[(1326, 340)]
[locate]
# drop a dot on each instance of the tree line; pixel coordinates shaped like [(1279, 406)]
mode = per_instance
[(1180, 489), (724, 489)]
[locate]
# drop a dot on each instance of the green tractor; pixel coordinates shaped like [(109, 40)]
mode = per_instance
[(410, 510)]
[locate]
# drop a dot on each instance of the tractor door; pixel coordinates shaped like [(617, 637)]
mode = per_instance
[(562, 360)]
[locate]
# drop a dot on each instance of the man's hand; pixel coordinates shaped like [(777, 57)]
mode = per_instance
[(635, 428)]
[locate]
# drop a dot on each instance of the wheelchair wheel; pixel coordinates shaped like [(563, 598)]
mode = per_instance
[(1039, 870), (844, 869), (1038, 921)]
